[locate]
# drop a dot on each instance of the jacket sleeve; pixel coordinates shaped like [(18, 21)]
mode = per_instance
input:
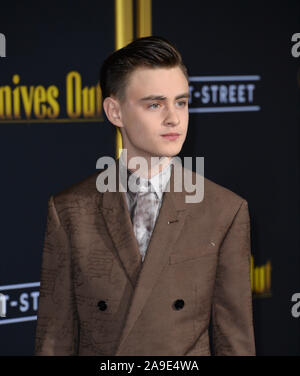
[(232, 320), (57, 330)]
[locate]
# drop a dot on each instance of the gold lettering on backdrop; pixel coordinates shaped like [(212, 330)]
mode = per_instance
[(27, 99), (34, 103), (98, 101), (80, 101), (88, 101), (16, 97), (40, 109), (73, 89), (53, 109), (5, 102), (37, 102), (260, 278)]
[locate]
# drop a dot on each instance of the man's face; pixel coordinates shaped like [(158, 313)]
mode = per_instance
[(156, 103)]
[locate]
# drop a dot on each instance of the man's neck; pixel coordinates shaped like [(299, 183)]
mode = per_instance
[(153, 169)]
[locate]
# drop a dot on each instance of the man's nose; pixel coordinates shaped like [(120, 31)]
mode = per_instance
[(172, 117)]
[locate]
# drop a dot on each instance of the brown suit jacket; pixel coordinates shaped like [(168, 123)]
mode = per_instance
[(98, 298)]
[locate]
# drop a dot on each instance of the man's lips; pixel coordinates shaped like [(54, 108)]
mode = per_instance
[(170, 136)]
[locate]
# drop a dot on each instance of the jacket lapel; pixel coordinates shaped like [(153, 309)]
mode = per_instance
[(117, 218), (167, 229)]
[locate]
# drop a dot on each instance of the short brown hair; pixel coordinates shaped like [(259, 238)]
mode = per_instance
[(153, 52)]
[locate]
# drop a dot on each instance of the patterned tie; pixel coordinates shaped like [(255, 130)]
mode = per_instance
[(144, 215)]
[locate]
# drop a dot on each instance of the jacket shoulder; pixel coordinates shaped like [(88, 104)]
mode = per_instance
[(78, 192), (215, 191), (219, 199)]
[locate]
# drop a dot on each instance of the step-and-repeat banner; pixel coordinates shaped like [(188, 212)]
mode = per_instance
[(243, 62)]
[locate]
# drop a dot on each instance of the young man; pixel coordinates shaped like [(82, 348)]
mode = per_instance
[(142, 273)]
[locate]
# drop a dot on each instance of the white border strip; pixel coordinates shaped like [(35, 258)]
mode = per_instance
[(224, 78), (19, 319), (225, 109), (19, 286)]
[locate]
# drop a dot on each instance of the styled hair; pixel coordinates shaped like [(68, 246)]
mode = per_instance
[(151, 52)]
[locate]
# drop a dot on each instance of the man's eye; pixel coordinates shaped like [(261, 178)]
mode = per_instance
[(154, 104), (182, 103)]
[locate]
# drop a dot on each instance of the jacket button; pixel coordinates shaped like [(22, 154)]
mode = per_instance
[(178, 304), (102, 305)]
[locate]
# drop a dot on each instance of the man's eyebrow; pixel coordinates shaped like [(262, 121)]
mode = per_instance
[(161, 97)]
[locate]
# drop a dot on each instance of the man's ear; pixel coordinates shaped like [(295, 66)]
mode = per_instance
[(112, 110)]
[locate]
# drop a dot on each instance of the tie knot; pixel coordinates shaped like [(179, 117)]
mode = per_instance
[(144, 185)]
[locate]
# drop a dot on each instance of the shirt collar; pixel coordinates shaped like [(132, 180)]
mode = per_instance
[(158, 181)]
